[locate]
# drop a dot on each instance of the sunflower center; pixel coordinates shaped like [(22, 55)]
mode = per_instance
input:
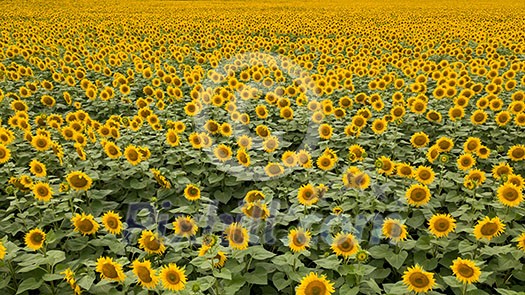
[(274, 169), (112, 223), (518, 153), (442, 225), (173, 278), (185, 226), (42, 191), (465, 271), (37, 238), (237, 236), (223, 153), (420, 140), (315, 288), (424, 175), (109, 270), (419, 280), (153, 244), (345, 245), (418, 195), (308, 195), (255, 212), (38, 168), (510, 194), (395, 230), (85, 225), (144, 274), (41, 143), (299, 239), (78, 181), (489, 229), (133, 155)]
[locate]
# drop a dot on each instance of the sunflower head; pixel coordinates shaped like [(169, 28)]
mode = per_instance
[(298, 239), (112, 222), (465, 270), (185, 226), (237, 236), (394, 230), (110, 270), (79, 181), (173, 277), (151, 243), (418, 280), (488, 228), (146, 276), (35, 239), (441, 225), (315, 284), (345, 244)]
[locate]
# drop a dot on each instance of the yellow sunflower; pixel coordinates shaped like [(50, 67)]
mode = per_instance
[(151, 243), (219, 260), (42, 191), (394, 230), (5, 154), (419, 139), (307, 195), (510, 195), (112, 222), (387, 165), (345, 245), (237, 236), (3, 251), (379, 126), (109, 269), (299, 239), (471, 145), (444, 144), (289, 159), (424, 175), (520, 239), (223, 152), (270, 144), (37, 168), (192, 192), (243, 158), (418, 280), (273, 169), (79, 180), (355, 178), (405, 170), (418, 195), (501, 170), (465, 270), (253, 196), (133, 155), (146, 276), (488, 228), (245, 142), (465, 162), (325, 131), (85, 224), (314, 284), (112, 150), (441, 225), (516, 152), (185, 226), (256, 210), (35, 239), (41, 142), (173, 277)]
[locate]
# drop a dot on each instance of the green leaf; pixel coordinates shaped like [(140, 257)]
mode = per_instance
[(397, 260), (330, 262), (259, 253), (380, 251), (259, 276), (29, 284), (87, 280), (224, 273), (279, 281), (52, 277), (55, 256)]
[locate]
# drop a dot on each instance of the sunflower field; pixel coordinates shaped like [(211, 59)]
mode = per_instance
[(262, 147)]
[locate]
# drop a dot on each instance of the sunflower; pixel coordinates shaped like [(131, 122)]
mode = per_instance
[(304, 159), (424, 175), (3, 251), (85, 224), (418, 280), (379, 126), (41, 142), (151, 243), (173, 277), (325, 131), (503, 118), (307, 195), (256, 210), (112, 222), (405, 170), (387, 165), (314, 284), (465, 162), (133, 155), (501, 170), (444, 144), (79, 180), (471, 145), (172, 138), (273, 169), (478, 117), (254, 196), (270, 144), (5, 154), (146, 276), (192, 192), (112, 150), (109, 269), (325, 162), (357, 153), (42, 191), (299, 239), (517, 152), (488, 228), (441, 225), (433, 153), (345, 245), (243, 158), (226, 129), (510, 195), (237, 236), (223, 152), (219, 260), (195, 140), (417, 195), (212, 126), (245, 142), (185, 226), (35, 239), (262, 131), (355, 178), (517, 180), (419, 140), (465, 270), (394, 230), (520, 239)]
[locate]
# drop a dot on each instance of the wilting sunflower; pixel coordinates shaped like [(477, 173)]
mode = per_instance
[(299, 239), (345, 244), (488, 228), (520, 239), (112, 222), (85, 224), (219, 260), (314, 284), (424, 175), (146, 276), (517, 152), (109, 269), (185, 226), (112, 150), (42, 191), (79, 180), (223, 152), (35, 239), (394, 230), (465, 162), (192, 192), (237, 236), (510, 195), (465, 270), (36, 167), (418, 280), (173, 277), (151, 243), (307, 195), (273, 169), (133, 155), (441, 225), (256, 210), (417, 195)]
